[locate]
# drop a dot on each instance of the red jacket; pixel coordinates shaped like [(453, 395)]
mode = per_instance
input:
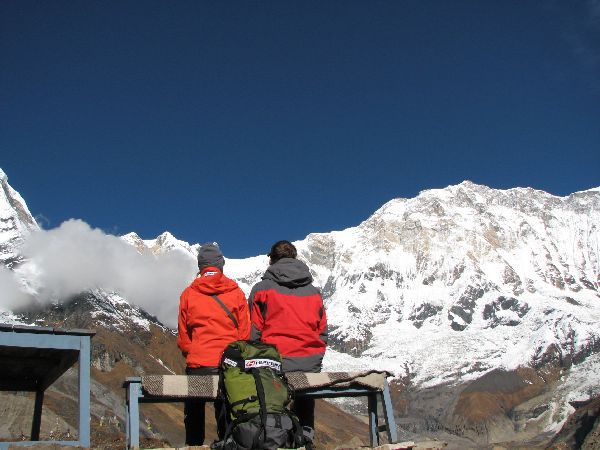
[(288, 312), (204, 327)]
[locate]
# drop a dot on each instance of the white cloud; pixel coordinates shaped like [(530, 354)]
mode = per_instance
[(12, 294), (74, 257)]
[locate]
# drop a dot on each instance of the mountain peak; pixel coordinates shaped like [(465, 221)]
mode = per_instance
[(133, 236), (16, 221), (469, 184)]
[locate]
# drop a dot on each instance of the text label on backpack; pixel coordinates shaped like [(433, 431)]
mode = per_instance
[(256, 363)]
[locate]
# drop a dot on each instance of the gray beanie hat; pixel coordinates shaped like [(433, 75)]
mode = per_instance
[(210, 255)]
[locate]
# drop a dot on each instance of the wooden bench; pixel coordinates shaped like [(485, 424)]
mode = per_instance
[(177, 388)]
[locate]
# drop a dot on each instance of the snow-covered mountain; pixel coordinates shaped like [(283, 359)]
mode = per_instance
[(456, 282), (440, 289), (508, 278), (15, 222)]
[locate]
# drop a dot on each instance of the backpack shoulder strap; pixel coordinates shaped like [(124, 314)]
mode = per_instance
[(226, 309), (260, 391)]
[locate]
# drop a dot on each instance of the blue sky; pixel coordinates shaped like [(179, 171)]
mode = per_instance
[(249, 122)]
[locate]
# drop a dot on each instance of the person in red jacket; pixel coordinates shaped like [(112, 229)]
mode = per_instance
[(287, 311), (213, 312)]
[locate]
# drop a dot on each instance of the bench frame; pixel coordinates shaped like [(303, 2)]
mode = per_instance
[(135, 396), (63, 342)]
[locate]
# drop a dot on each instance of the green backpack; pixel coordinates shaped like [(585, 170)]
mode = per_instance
[(257, 397)]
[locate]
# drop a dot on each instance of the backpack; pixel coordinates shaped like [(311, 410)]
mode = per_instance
[(257, 396)]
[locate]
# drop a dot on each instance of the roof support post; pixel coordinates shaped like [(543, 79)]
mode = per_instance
[(84, 391), (388, 411), (373, 422), (37, 415)]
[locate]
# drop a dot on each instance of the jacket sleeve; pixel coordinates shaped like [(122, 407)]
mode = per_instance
[(243, 318), (256, 317), (183, 339), (323, 332)]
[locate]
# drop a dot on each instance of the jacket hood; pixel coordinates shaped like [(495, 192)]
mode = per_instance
[(289, 272), (212, 281)]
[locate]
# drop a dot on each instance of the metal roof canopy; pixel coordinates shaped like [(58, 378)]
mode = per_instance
[(32, 358)]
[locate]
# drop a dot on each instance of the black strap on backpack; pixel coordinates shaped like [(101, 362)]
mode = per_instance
[(260, 390), (226, 309)]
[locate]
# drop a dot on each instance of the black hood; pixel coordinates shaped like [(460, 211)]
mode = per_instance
[(289, 272)]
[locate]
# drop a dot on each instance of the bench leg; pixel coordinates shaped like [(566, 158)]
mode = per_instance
[(133, 416), (373, 421), (37, 416), (388, 411)]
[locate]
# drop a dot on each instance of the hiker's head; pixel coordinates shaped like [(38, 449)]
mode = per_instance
[(282, 249), (210, 255)]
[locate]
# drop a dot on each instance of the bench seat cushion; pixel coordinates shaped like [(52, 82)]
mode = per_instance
[(206, 386)]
